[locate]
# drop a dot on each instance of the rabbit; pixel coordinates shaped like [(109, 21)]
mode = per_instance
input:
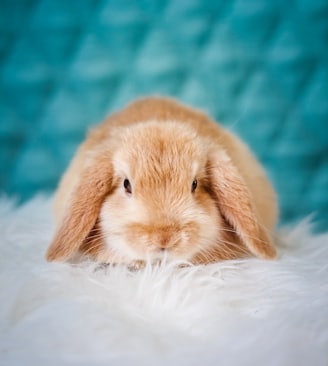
[(160, 179)]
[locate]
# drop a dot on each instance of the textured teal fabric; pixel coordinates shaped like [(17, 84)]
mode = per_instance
[(258, 66)]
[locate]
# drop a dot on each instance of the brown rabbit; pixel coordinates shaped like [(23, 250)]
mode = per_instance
[(161, 179)]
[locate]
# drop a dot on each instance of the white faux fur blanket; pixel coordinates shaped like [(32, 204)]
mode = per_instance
[(249, 312)]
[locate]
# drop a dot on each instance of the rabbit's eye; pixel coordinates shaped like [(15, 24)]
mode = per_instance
[(127, 186), (194, 185)]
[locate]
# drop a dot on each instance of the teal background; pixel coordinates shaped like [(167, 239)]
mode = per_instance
[(260, 67)]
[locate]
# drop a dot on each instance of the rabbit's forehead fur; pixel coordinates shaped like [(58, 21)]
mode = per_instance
[(157, 155)]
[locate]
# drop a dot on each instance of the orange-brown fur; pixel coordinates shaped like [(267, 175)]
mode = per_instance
[(159, 141)]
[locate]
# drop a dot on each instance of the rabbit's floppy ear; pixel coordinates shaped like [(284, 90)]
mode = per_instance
[(234, 200), (82, 209)]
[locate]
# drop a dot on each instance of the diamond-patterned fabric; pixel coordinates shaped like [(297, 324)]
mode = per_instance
[(258, 66)]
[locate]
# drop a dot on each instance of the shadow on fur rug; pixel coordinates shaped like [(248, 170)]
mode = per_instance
[(249, 312)]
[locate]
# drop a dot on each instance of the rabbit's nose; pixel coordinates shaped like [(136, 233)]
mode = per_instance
[(166, 241), (163, 241)]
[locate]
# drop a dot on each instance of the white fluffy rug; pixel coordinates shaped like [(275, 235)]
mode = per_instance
[(249, 312)]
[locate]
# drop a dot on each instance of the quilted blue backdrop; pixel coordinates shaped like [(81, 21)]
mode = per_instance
[(259, 66)]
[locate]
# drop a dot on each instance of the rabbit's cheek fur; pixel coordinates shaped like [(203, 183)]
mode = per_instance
[(116, 211)]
